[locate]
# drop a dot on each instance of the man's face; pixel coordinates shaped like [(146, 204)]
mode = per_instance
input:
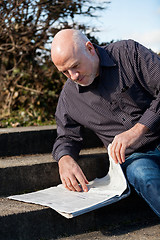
[(79, 65)]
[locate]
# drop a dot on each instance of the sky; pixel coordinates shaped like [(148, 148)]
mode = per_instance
[(125, 19)]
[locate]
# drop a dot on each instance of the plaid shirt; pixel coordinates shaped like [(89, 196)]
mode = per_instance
[(126, 92)]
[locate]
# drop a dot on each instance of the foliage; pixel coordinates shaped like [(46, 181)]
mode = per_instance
[(29, 83)]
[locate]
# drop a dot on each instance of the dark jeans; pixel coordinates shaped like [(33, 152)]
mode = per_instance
[(142, 171)]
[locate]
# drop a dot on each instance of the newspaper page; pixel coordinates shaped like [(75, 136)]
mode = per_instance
[(103, 191)]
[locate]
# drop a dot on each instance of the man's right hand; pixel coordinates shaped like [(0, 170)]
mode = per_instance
[(71, 174)]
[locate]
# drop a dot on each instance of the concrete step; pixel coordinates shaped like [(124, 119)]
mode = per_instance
[(26, 140), (23, 221), (25, 173), (128, 231), (33, 140), (36, 170)]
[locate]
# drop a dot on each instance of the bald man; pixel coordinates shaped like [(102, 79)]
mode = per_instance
[(114, 91)]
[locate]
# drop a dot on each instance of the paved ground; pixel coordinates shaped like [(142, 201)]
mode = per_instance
[(128, 232)]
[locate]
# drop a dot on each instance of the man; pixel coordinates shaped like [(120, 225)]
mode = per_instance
[(114, 91)]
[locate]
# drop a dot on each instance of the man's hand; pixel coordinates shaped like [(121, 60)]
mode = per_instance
[(124, 140), (71, 174)]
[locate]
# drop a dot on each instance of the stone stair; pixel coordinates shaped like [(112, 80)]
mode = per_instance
[(26, 165)]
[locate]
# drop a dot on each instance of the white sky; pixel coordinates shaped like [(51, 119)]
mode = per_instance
[(126, 19)]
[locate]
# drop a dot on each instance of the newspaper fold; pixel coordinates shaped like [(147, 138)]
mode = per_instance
[(104, 191)]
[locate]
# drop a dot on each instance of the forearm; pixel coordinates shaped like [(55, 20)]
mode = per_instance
[(139, 129)]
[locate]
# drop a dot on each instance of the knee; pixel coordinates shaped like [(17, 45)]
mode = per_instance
[(135, 176), (153, 188), (143, 178)]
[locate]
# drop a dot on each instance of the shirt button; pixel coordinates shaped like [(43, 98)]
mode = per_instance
[(123, 119)]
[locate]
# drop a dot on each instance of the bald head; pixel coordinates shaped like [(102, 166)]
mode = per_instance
[(66, 41), (75, 56)]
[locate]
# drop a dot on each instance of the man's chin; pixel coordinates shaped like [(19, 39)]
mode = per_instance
[(85, 84)]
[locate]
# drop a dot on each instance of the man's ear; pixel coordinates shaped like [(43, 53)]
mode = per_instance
[(90, 47)]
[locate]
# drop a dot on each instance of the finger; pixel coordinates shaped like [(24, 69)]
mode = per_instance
[(123, 149), (63, 181), (75, 185), (65, 184), (113, 153), (84, 186), (118, 152), (69, 185), (83, 181)]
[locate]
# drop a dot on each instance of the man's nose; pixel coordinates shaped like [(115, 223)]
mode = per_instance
[(74, 75)]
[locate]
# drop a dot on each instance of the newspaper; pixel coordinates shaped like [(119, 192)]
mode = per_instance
[(103, 191)]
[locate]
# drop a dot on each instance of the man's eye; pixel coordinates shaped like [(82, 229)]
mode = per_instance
[(75, 66)]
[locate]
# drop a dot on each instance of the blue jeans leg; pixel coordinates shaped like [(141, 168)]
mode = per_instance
[(142, 171)]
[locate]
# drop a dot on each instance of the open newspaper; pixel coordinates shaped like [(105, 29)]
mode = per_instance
[(103, 191)]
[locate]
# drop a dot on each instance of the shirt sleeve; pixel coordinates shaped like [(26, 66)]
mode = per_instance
[(148, 65), (69, 133)]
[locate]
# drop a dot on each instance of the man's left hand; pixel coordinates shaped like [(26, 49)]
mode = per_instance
[(124, 140)]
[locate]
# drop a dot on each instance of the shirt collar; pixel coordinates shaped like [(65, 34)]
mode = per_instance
[(105, 61)]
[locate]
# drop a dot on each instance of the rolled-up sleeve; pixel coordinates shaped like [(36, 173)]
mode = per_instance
[(69, 133)]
